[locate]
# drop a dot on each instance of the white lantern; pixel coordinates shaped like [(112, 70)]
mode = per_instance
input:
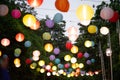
[(73, 60), (108, 52), (104, 30)]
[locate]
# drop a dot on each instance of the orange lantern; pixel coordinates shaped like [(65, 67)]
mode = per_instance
[(34, 3), (19, 37), (35, 26), (5, 42), (62, 5)]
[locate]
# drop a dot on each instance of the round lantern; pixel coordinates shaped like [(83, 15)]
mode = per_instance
[(42, 70), (48, 47), (0, 53), (62, 5), (35, 58), (52, 57), (46, 36), (115, 17), (28, 61), (57, 60), (73, 60), (79, 55), (86, 55), (35, 26), (35, 3), (56, 51), (106, 13), (41, 63), (49, 23), (16, 13), (27, 43), (92, 29), (88, 43), (5, 42), (16, 61), (81, 65), (93, 60), (19, 37), (36, 53), (104, 30), (58, 17), (74, 49), (17, 52), (67, 58), (29, 20), (33, 65), (108, 52), (85, 12), (68, 45), (88, 62), (3, 10)]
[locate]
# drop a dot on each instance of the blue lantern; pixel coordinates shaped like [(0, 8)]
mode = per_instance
[(58, 17), (27, 44), (57, 60)]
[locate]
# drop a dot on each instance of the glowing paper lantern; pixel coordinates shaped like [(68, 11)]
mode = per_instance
[(28, 61), (17, 65), (56, 51), (16, 61), (106, 13), (74, 49), (81, 65), (36, 53), (62, 5), (16, 13), (67, 65), (57, 60), (33, 65), (35, 3), (41, 63), (88, 62), (0, 53), (104, 30), (52, 57), (115, 17), (3, 10), (73, 60), (17, 52), (19, 37), (49, 23), (48, 47), (88, 43), (58, 17), (48, 67), (35, 58), (35, 26), (86, 55), (42, 70), (79, 55), (67, 58), (108, 52), (5, 42), (68, 45), (46, 36), (85, 12), (92, 29), (54, 68), (60, 66), (29, 20), (27, 43), (48, 74)]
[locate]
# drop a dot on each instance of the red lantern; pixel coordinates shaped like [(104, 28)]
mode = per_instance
[(5, 42), (19, 37), (28, 61), (115, 17), (35, 26), (68, 45), (62, 5), (35, 3), (79, 55)]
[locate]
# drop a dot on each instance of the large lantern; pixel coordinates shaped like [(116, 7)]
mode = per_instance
[(5, 42), (3, 9), (16, 13), (85, 12), (29, 20), (19, 37), (62, 5), (35, 26), (48, 47), (35, 3)]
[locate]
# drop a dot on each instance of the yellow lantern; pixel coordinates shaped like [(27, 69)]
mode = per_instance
[(54, 68), (48, 47), (88, 43), (92, 29), (46, 36), (16, 61), (0, 53), (74, 49), (29, 20), (33, 65), (41, 63), (42, 70), (67, 58), (85, 12), (81, 65)]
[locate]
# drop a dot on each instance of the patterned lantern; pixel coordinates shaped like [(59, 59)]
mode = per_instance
[(16, 13), (35, 3), (62, 5), (3, 10), (5, 42), (48, 47), (29, 20), (19, 37)]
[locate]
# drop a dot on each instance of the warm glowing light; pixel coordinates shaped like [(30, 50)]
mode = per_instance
[(48, 47), (74, 49)]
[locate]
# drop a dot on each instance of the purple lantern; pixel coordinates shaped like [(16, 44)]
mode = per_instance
[(16, 13), (49, 23), (88, 62), (52, 57), (56, 51), (86, 55)]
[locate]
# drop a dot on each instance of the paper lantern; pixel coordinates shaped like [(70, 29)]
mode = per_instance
[(60, 66), (88, 62), (42, 70), (57, 60), (54, 68), (35, 58), (67, 57), (16, 13), (33, 65), (108, 52), (86, 55), (36, 53), (92, 29), (48, 47), (16, 61), (49, 23), (68, 45), (46, 36), (74, 49), (17, 65), (85, 12), (28, 61), (0, 53), (56, 51), (104, 30), (115, 17), (19, 37), (3, 10), (62, 5), (41, 63), (73, 60), (85, 22), (81, 65), (29, 20), (27, 43), (48, 67), (35, 3), (79, 55), (88, 43), (5, 42), (58, 17), (106, 13), (17, 52), (67, 65), (35, 26), (48, 74), (52, 57), (93, 60)]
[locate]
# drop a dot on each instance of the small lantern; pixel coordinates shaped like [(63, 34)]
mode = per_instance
[(48, 47), (108, 52), (41, 63), (5, 42), (16, 13), (19, 37), (74, 49), (92, 29), (35, 3), (88, 43), (35, 26), (3, 10), (67, 57), (104, 30)]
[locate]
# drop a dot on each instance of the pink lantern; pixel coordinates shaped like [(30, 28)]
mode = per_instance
[(19, 37), (106, 13), (5, 42), (4, 10), (16, 13)]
